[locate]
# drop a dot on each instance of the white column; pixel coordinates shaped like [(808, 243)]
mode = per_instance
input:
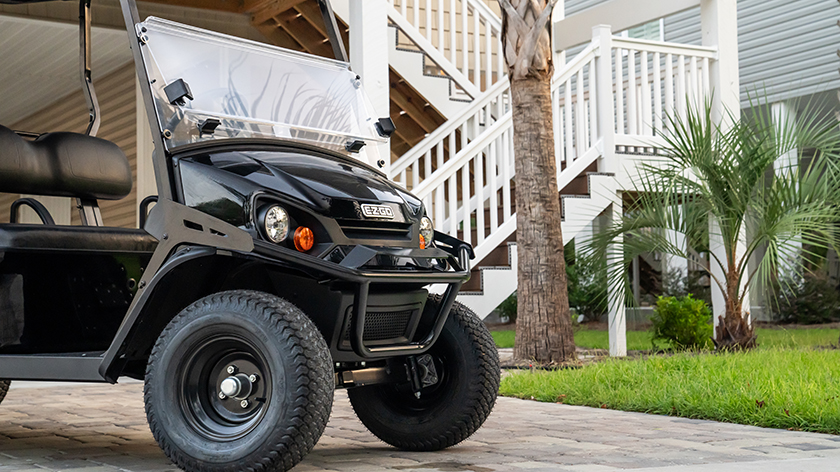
[(616, 318), (369, 58), (557, 14), (146, 183), (674, 265), (786, 165), (602, 36), (719, 26)]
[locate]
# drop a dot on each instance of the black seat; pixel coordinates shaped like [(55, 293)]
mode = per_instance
[(63, 165), (76, 239)]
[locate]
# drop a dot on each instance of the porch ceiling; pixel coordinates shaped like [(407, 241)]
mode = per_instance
[(41, 62)]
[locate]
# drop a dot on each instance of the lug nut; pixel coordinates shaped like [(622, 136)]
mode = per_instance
[(253, 378), (231, 369), (244, 403), (222, 396)]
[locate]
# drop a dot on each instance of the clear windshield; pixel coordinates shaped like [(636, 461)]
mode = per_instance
[(253, 91)]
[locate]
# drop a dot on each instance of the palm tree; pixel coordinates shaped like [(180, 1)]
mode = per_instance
[(727, 176), (543, 324)]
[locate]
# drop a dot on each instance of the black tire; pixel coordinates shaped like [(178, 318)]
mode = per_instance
[(448, 412), (288, 405), (4, 388)]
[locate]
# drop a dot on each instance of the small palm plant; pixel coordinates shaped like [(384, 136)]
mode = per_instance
[(717, 186)]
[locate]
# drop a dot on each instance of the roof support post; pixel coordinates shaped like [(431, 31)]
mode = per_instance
[(719, 26), (369, 59)]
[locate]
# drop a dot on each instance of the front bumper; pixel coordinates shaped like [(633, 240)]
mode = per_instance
[(351, 270)]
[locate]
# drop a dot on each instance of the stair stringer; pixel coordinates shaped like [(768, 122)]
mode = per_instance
[(498, 283)]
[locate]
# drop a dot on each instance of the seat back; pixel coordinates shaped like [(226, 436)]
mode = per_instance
[(63, 165)]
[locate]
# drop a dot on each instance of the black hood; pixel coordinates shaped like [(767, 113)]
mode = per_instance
[(329, 185)]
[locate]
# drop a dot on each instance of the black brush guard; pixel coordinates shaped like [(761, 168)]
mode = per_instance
[(456, 253)]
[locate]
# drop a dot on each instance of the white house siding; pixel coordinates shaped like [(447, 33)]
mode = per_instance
[(786, 48)]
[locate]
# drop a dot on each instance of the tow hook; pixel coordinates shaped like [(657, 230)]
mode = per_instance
[(421, 373)]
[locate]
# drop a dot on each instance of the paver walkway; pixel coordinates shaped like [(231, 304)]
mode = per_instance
[(103, 428)]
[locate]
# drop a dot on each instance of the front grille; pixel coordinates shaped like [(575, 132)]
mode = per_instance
[(382, 325), (364, 229)]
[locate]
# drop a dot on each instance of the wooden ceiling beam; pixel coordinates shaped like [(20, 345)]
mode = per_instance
[(278, 36), (230, 6), (299, 29), (275, 6)]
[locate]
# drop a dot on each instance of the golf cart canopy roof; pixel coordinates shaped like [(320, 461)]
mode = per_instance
[(210, 86)]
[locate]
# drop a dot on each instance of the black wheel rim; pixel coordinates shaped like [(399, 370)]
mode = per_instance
[(204, 368), (400, 397)]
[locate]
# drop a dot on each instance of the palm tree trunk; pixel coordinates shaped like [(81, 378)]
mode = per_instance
[(734, 331), (543, 329)]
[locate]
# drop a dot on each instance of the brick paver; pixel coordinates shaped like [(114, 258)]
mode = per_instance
[(103, 428)]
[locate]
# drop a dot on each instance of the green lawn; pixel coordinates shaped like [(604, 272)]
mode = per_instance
[(771, 387), (640, 340)]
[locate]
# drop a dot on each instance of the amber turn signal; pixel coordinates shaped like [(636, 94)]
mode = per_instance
[(304, 239), (422, 242)]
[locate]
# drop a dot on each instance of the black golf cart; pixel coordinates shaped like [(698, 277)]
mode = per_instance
[(277, 262)]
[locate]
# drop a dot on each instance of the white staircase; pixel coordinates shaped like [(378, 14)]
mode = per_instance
[(427, 56), (608, 102)]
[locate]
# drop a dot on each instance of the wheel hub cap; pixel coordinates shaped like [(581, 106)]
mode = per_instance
[(236, 386)]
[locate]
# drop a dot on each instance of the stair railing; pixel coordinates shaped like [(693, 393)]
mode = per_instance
[(465, 32), (464, 171)]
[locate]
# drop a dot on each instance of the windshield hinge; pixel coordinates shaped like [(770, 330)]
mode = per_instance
[(354, 146)]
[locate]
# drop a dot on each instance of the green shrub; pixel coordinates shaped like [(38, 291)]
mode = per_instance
[(587, 277), (684, 322), (811, 299), (508, 308)]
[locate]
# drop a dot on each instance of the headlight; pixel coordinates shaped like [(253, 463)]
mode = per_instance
[(276, 223), (427, 232)]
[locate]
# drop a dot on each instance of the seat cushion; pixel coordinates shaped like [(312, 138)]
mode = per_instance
[(41, 238), (63, 165)]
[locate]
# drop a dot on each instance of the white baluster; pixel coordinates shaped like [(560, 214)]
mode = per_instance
[(453, 205), (705, 73), (465, 202), (453, 34), (476, 49), (681, 92), (429, 20), (647, 129), (415, 11), (579, 116), (402, 175), (415, 174), (488, 51), (403, 6), (619, 91), (428, 162), (491, 177), (506, 154), (632, 104), (593, 103), (500, 57), (669, 87), (479, 197), (567, 111), (465, 48), (558, 128), (695, 89), (441, 30), (657, 91)]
